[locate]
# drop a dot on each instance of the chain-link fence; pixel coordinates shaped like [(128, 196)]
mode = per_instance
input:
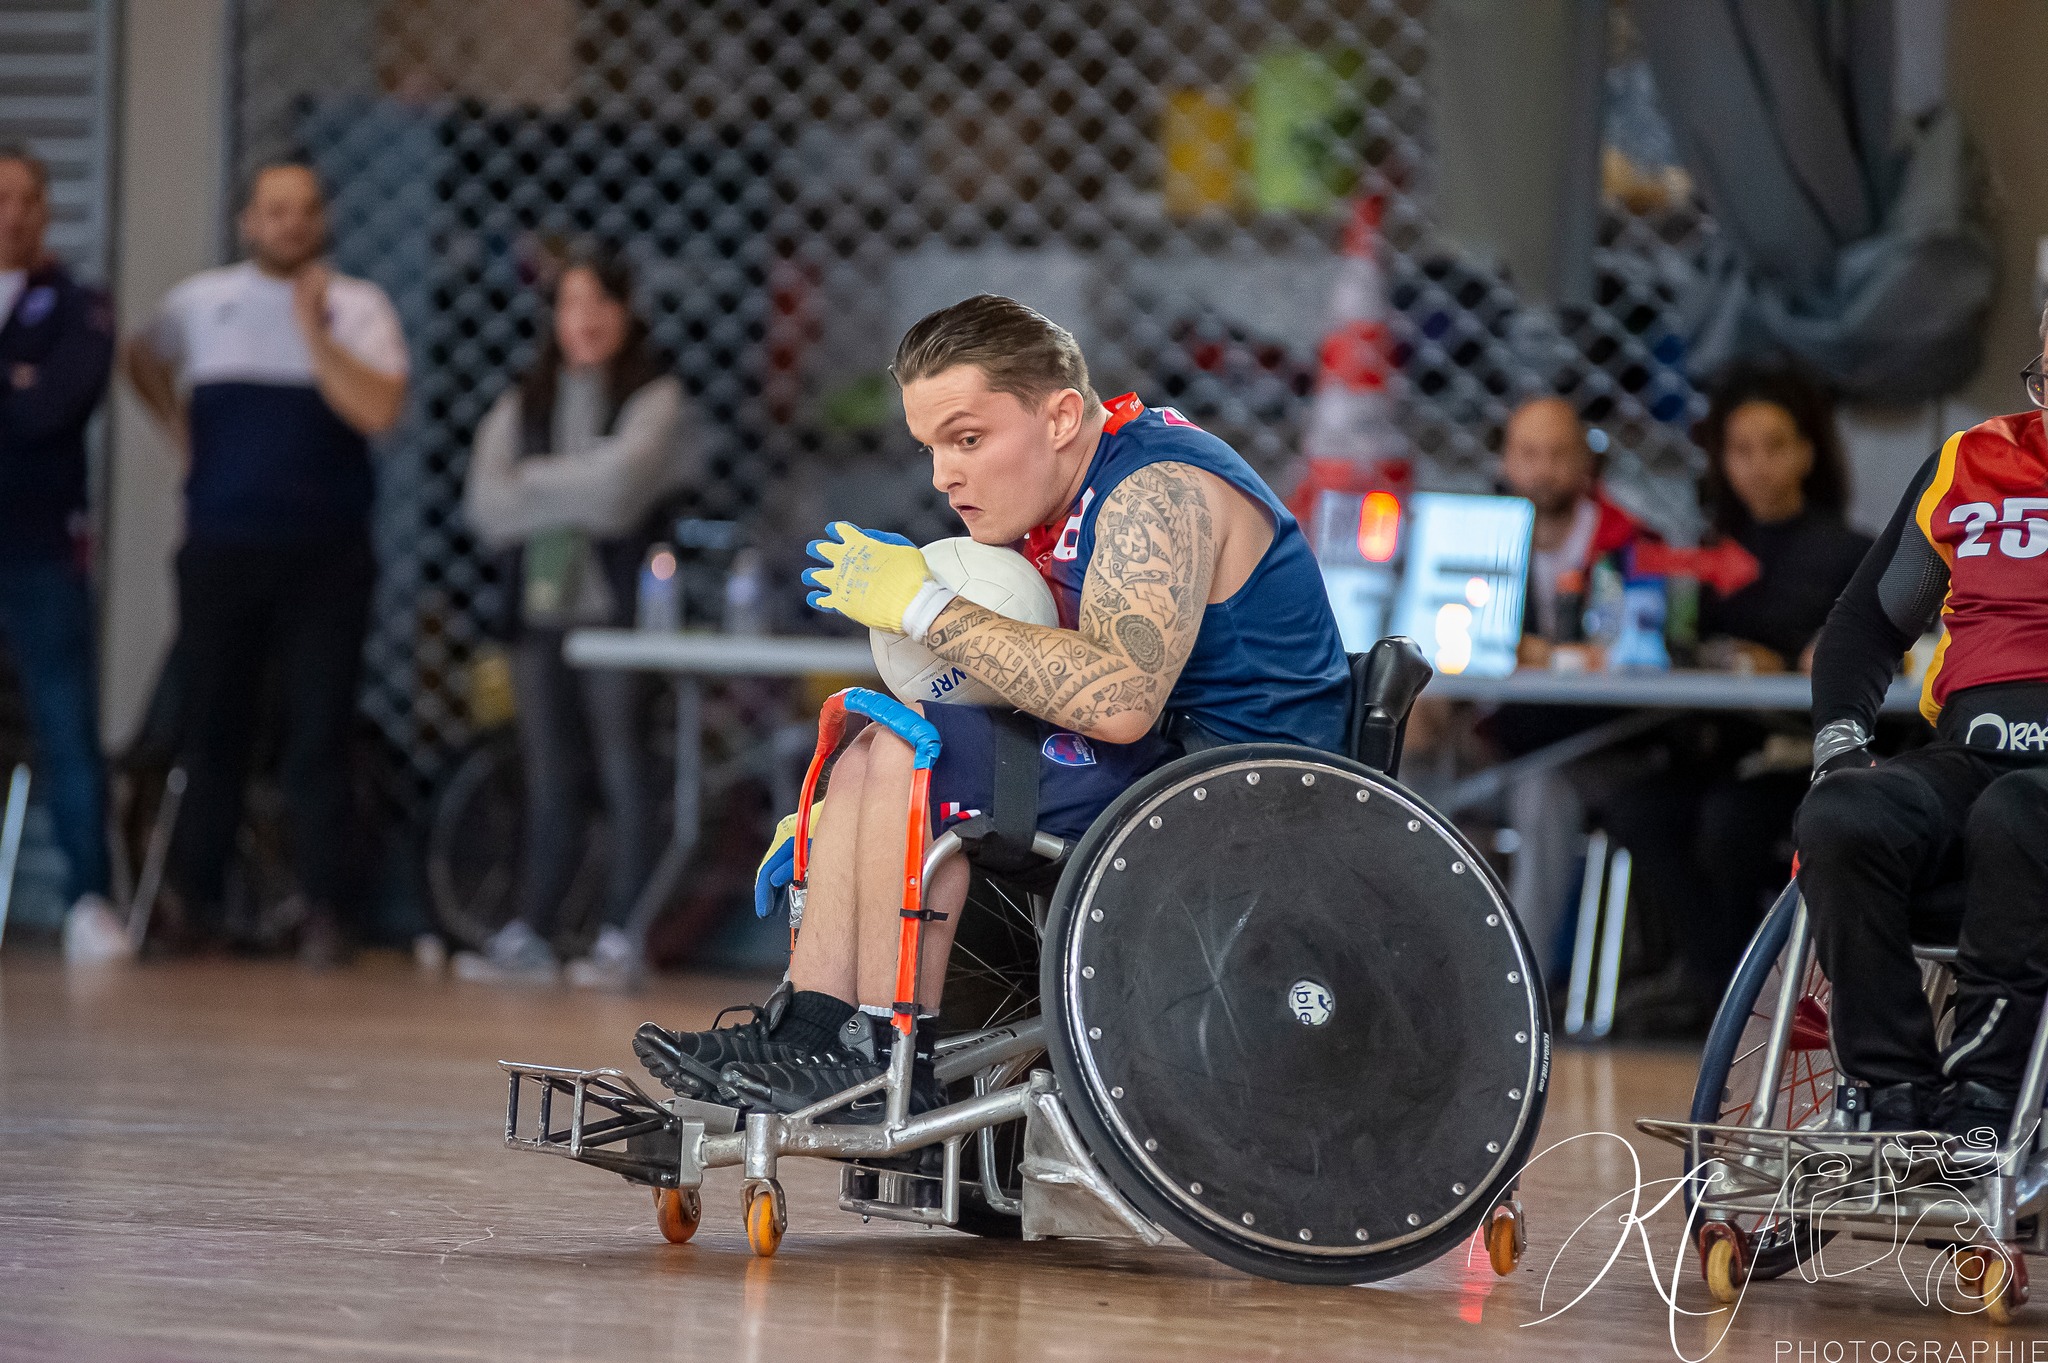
[(799, 179)]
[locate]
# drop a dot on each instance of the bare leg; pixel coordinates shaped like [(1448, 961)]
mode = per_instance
[(825, 945), (880, 869)]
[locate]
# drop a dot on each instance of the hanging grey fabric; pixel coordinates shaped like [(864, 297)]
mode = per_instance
[(1855, 232)]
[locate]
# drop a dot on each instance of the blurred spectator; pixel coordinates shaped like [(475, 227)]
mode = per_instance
[(1710, 829), (1544, 457), (568, 465), (271, 376), (56, 348)]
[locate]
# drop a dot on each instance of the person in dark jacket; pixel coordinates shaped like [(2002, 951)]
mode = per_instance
[(56, 349), (1710, 832)]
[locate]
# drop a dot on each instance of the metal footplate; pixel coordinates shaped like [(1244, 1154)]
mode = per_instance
[(1850, 1180), (613, 1123)]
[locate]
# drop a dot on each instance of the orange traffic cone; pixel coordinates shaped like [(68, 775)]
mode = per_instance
[(1352, 444)]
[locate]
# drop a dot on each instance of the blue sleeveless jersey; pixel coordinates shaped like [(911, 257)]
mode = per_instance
[(1268, 664)]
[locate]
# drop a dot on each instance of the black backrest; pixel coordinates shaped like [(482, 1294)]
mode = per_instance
[(1385, 680)]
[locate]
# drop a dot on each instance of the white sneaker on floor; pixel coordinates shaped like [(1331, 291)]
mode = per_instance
[(515, 955), (614, 963), (93, 933)]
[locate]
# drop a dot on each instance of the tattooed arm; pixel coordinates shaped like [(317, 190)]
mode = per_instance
[(1141, 606)]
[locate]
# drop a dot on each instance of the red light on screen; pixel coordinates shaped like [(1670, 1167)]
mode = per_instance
[(1379, 526)]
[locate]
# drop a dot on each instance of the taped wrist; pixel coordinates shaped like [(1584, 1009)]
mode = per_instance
[(1837, 739), (924, 608)]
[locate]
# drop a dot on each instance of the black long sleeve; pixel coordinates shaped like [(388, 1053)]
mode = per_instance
[(1892, 600)]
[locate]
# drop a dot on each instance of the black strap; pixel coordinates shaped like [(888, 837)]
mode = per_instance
[(1016, 777)]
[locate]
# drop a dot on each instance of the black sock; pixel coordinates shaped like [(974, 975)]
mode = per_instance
[(813, 1019)]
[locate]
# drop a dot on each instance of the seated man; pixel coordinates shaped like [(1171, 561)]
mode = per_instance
[(1192, 611), (1971, 805)]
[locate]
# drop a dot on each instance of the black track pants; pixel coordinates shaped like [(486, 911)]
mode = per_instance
[(1874, 845)]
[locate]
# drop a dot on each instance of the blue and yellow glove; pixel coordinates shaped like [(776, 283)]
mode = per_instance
[(778, 864), (877, 579)]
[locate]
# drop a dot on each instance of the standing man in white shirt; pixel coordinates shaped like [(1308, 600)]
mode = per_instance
[(272, 376)]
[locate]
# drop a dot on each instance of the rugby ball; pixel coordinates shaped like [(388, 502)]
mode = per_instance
[(989, 575)]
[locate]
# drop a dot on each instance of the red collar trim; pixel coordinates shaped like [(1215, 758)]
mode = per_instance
[(1122, 411)]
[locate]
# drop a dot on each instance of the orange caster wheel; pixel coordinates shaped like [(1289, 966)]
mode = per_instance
[(1506, 1235), (1724, 1261), (676, 1211), (766, 1218), (1998, 1280)]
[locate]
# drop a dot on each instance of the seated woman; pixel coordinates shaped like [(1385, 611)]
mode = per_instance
[(569, 463), (1708, 831)]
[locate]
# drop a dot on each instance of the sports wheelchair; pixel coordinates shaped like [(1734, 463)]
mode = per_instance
[(1279, 1009), (1776, 1161)]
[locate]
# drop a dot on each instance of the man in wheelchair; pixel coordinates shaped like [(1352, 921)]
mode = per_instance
[(1191, 613), (1876, 842)]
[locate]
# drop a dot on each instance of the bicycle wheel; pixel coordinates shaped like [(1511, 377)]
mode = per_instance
[(1731, 1063), (473, 850)]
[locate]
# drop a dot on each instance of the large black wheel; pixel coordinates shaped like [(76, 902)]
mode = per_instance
[(1293, 1016), (1731, 1065)]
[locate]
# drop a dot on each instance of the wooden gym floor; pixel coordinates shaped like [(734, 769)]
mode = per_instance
[(234, 1161)]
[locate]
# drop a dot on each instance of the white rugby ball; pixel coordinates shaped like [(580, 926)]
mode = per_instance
[(989, 575)]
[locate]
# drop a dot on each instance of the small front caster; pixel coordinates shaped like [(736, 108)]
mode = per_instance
[(676, 1211), (767, 1217), (1997, 1278), (1724, 1259), (1506, 1236)]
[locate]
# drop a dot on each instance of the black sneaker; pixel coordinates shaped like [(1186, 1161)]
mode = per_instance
[(1977, 1119), (798, 1081), (1895, 1107), (689, 1062)]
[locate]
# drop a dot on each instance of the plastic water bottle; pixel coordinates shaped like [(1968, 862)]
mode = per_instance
[(661, 591), (1640, 644)]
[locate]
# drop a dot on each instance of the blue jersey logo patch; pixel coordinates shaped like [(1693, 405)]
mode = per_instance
[(1069, 750)]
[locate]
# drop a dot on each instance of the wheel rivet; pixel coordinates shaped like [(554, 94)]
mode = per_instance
[(1201, 793), (1095, 915), (1521, 1038), (1155, 821), (1151, 1144), (1194, 1187), (1493, 1147), (1414, 1220), (1303, 1233), (1117, 1092), (1363, 796), (1361, 1234), (1251, 778), (1514, 977), (1118, 863), (1515, 1094), (1088, 973), (1457, 1190), (1246, 1218), (1457, 868), (1493, 920), (1095, 1034), (1414, 825), (1308, 778)]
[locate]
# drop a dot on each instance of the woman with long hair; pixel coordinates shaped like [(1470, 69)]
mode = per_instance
[(569, 467)]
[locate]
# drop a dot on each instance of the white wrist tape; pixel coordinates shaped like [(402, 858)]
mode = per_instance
[(924, 608)]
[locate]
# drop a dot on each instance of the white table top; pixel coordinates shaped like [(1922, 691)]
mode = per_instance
[(1655, 690), (704, 653)]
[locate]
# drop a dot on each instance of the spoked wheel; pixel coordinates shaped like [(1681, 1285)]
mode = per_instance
[(676, 1212), (991, 981), (1321, 1066), (1731, 1064)]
